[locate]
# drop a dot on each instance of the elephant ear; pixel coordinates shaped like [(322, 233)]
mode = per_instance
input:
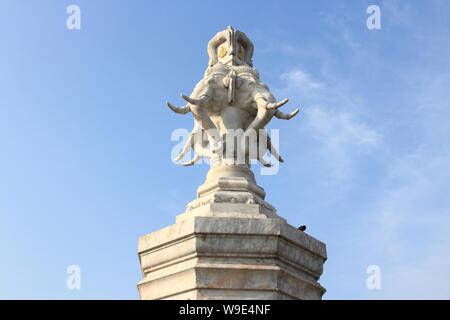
[(239, 82)]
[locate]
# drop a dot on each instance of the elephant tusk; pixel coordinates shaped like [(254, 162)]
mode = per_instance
[(178, 110), (198, 102), (271, 148), (264, 162), (274, 151), (276, 105), (177, 158), (191, 162), (284, 116), (187, 146)]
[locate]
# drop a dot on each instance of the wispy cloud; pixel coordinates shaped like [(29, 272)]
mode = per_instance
[(375, 108), (405, 129), (342, 137), (396, 13), (409, 230), (298, 79), (410, 215), (331, 121)]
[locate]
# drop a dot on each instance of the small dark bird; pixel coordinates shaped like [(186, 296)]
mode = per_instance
[(302, 228)]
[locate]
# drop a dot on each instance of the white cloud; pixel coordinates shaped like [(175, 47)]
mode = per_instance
[(302, 86), (405, 219), (408, 220), (298, 79), (349, 39), (410, 228), (427, 279), (330, 120), (397, 14), (340, 130), (342, 138)]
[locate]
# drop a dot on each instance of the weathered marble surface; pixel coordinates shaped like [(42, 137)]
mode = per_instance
[(204, 257)]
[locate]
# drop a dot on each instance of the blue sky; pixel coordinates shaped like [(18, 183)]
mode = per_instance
[(85, 164)]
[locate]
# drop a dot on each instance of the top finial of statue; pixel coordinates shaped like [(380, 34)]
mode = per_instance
[(231, 47)]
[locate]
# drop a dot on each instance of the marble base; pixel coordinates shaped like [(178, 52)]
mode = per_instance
[(230, 244), (230, 253)]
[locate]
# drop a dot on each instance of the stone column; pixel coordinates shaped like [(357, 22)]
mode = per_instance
[(230, 244)]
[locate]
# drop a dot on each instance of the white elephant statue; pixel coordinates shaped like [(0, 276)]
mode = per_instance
[(231, 98)]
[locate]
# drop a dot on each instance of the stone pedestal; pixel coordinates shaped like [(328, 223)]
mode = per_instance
[(230, 244)]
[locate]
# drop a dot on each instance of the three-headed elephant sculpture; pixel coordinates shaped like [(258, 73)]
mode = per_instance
[(231, 106)]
